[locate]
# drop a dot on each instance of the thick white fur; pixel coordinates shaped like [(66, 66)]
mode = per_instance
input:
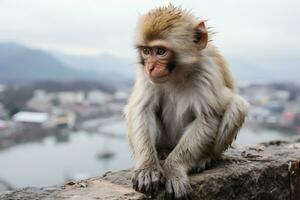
[(193, 118)]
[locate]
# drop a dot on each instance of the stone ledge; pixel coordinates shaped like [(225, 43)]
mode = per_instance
[(262, 172)]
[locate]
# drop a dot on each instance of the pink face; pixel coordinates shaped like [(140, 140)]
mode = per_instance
[(156, 59)]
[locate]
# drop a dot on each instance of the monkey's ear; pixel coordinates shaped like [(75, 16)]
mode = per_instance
[(201, 35)]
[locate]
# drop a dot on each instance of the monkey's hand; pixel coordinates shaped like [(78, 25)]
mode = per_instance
[(148, 180), (177, 183)]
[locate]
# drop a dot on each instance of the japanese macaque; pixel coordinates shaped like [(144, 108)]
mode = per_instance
[(184, 110)]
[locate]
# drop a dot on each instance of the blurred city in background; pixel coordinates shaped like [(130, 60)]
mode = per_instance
[(67, 68)]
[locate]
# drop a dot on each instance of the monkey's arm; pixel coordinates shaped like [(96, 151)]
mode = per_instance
[(195, 143), (148, 172), (142, 131), (192, 146), (141, 134)]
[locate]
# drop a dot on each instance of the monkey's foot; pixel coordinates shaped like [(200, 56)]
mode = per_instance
[(147, 180), (177, 189), (204, 164)]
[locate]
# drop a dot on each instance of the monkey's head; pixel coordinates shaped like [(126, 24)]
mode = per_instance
[(169, 40)]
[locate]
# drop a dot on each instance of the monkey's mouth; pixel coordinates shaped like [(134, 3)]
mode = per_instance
[(159, 79)]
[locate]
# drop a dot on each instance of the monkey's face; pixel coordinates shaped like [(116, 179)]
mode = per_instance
[(169, 43), (156, 60)]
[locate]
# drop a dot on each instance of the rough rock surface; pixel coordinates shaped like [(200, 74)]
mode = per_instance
[(249, 172)]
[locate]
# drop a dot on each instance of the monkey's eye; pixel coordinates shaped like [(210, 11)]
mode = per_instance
[(146, 51), (161, 51)]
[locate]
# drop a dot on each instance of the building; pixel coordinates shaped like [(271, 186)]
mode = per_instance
[(98, 97), (31, 117), (69, 98), (2, 88)]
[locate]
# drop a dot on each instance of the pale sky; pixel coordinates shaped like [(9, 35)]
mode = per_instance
[(260, 29)]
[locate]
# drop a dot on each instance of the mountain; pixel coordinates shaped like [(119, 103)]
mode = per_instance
[(106, 66), (21, 64)]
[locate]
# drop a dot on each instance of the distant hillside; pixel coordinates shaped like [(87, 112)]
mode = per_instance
[(21, 64), (105, 66)]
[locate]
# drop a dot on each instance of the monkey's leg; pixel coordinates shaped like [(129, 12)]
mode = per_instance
[(143, 130), (231, 122), (193, 145)]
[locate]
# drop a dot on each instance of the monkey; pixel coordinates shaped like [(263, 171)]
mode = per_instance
[(184, 110)]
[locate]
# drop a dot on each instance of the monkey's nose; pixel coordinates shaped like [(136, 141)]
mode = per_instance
[(150, 66)]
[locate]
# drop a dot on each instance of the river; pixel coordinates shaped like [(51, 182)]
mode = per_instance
[(75, 155)]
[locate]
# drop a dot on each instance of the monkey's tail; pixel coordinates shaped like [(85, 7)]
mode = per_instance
[(232, 121)]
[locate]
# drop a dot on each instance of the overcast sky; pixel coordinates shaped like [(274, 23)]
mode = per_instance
[(262, 29)]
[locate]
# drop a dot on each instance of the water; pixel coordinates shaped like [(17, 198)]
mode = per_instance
[(250, 135), (56, 159), (75, 155)]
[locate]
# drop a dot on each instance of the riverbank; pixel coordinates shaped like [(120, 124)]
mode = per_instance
[(27, 132)]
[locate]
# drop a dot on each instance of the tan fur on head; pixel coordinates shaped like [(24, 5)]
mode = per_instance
[(174, 25), (160, 22)]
